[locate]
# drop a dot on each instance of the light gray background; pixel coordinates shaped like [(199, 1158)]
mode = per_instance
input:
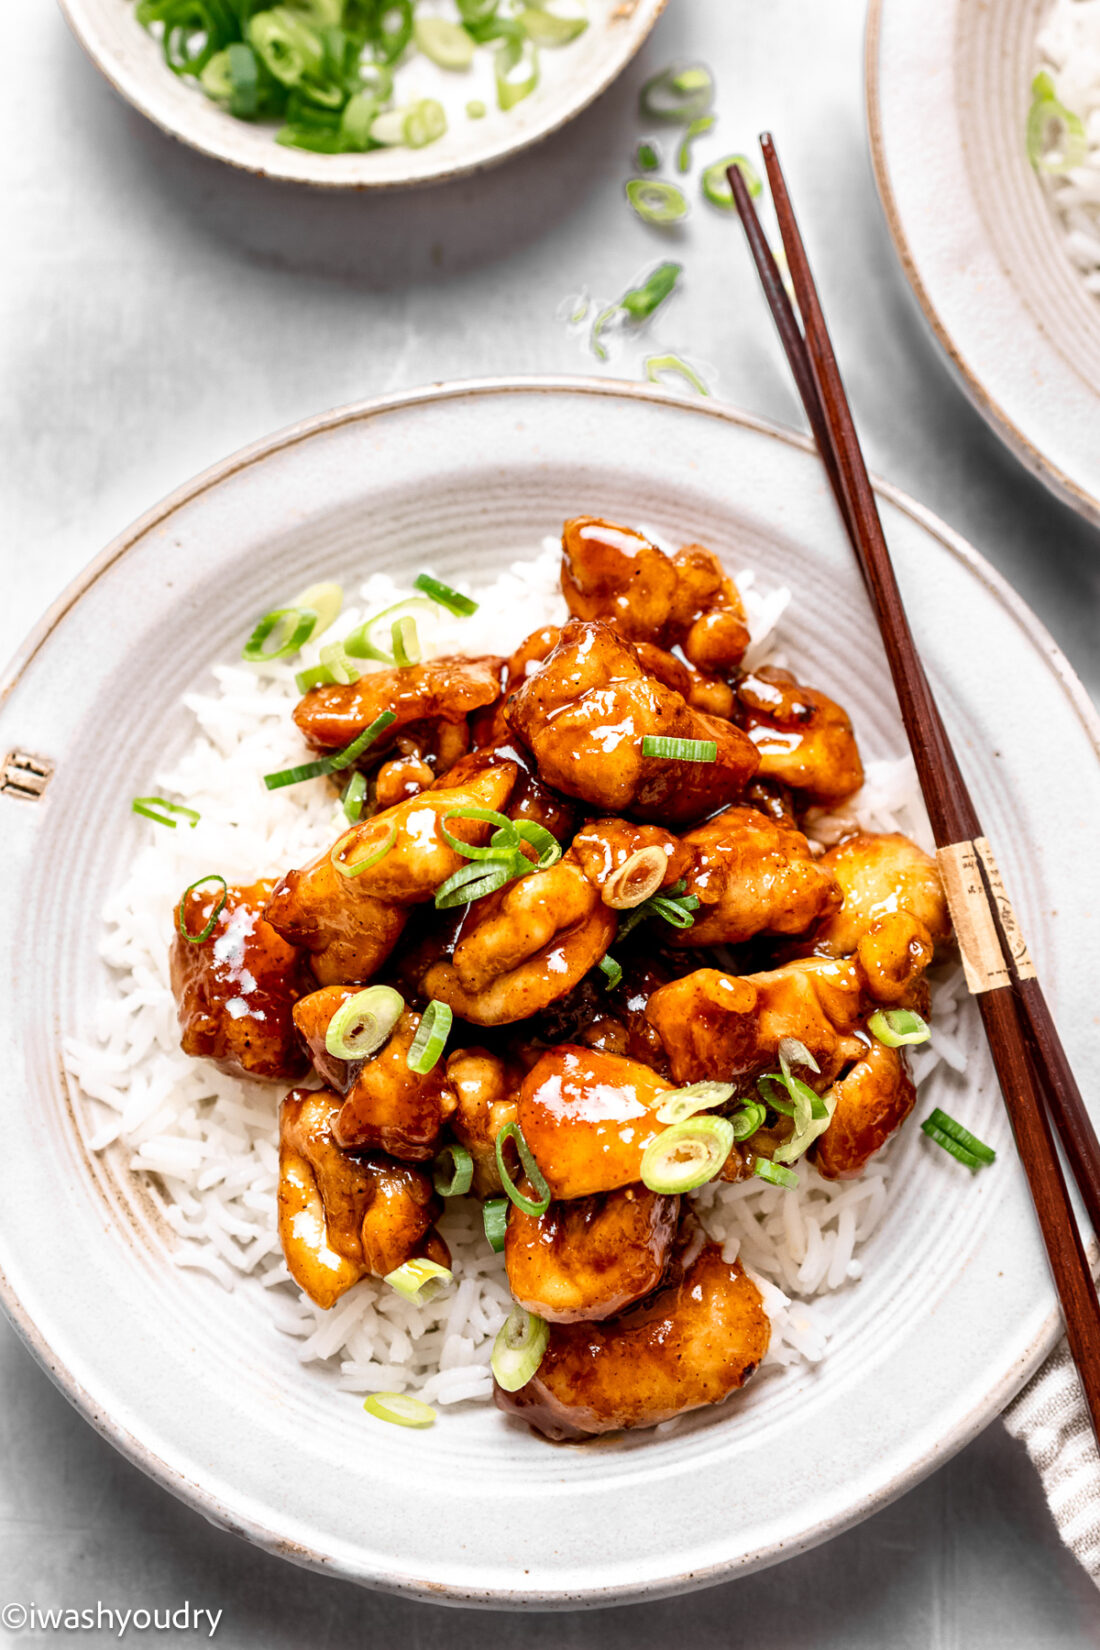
[(160, 311)]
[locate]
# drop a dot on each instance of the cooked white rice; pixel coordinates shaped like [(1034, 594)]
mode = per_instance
[(1068, 48), (208, 1142)]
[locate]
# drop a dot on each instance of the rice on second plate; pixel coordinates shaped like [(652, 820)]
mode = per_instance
[(209, 1141), (1068, 46)]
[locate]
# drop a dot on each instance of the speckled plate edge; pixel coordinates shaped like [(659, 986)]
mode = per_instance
[(255, 1530)]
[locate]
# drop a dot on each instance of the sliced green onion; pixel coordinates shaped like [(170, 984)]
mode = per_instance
[(608, 966), (406, 643), (157, 809), (431, 1035), (696, 129), (339, 664), (546, 28), (326, 600), (444, 42), (494, 1218), (516, 68), (656, 365), (291, 628), (809, 1123), (332, 764), (678, 95), (897, 1026), (419, 1281), (674, 906), (647, 157), (453, 600), (315, 676), (784, 1092), (288, 49), (1064, 147), (791, 1052), (360, 1026), (425, 122), (358, 116), (354, 797), (680, 750), (198, 939), (544, 842), (774, 1173), (955, 1131), (400, 1409), (956, 1149), (474, 882), (639, 303), (512, 1131), (490, 816), (232, 78), (687, 1155), (519, 1349), (748, 1119), (656, 202), (716, 184), (358, 641), (356, 867), (680, 1104), (453, 1171), (475, 109)]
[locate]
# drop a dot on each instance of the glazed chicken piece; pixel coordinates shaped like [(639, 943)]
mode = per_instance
[(389, 1107), (752, 876), (585, 714), (592, 1257), (403, 777), (351, 923), (696, 1341), (439, 690), (685, 600), (529, 797), (879, 876), (707, 693), (872, 1100), (588, 1118), (345, 1216), (485, 1089), (312, 1016), (519, 949), (803, 739), (628, 862), (235, 991)]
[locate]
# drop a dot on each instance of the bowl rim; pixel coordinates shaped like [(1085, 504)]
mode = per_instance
[(321, 178), (1033, 457), (195, 1495)]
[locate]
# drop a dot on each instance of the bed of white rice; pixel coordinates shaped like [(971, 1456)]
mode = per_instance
[(209, 1142), (1068, 48)]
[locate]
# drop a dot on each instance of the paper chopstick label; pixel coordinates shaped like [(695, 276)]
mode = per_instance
[(1017, 945), (976, 931)]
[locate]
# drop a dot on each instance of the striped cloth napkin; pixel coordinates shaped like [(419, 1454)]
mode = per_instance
[(1050, 1419)]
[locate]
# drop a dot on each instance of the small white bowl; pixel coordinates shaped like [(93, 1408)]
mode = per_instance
[(948, 92), (131, 59)]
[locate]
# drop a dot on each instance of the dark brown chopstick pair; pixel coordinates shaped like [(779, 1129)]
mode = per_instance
[(1035, 1076)]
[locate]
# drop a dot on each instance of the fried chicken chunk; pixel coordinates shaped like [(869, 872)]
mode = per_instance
[(879, 876), (872, 1100), (592, 1257), (388, 1106), (628, 862), (803, 738), (752, 876), (585, 714), (588, 1117), (693, 1343), (485, 1089), (235, 991), (345, 1216), (439, 690), (685, 600)]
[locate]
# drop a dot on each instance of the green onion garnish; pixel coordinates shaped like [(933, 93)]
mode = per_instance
[(501, 861), (546, 28), (360, 1026), (290, 627), (519, 1349), (453, 600), (494, 1218), (608, 966), (674, 906), (425, 122), (680, 1104), (647, 157), (406, 643), (475, 109), (687, 1155), (897, 1026), (453, 1171), (198, 939), (474, 882), (516, 68), (784, 1092), (419, 1281), (639, 303), (1056, 137), (431, 1035), (400, 1409), (957, 1140), (696, 129), (679, 750), (655, 202), (748, 1119), (341, 668), (716, 185), (157, 808), (678, 95), (512, 1131), (354, 797), (326, 600), (774, 1173), (444, 42), (332, 764), (657, 365)]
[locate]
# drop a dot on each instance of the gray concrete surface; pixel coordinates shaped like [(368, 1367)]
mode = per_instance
[(160, 311)]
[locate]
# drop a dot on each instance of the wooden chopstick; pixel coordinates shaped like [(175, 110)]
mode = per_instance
[(1031, 1064)]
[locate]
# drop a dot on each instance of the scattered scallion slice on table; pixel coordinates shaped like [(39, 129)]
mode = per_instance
[(204, 935), (647, 157), (419, 1281), (530, 1206), (360, 1026), (159, 810), (947, 1132), (678, 95), (431, 1037), (400, 1409), (687, 1155), (639, 303), (716, 185), (695, 130), (898, 1026), (656, 202), (656, 366), (519, 1349)]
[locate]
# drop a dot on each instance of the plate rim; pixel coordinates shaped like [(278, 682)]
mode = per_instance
[(1037, 462), (76, 20), (195, 1495)]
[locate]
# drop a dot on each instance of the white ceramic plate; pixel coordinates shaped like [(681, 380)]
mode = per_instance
[(572, 77), (948, 90), (955, 1308)]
